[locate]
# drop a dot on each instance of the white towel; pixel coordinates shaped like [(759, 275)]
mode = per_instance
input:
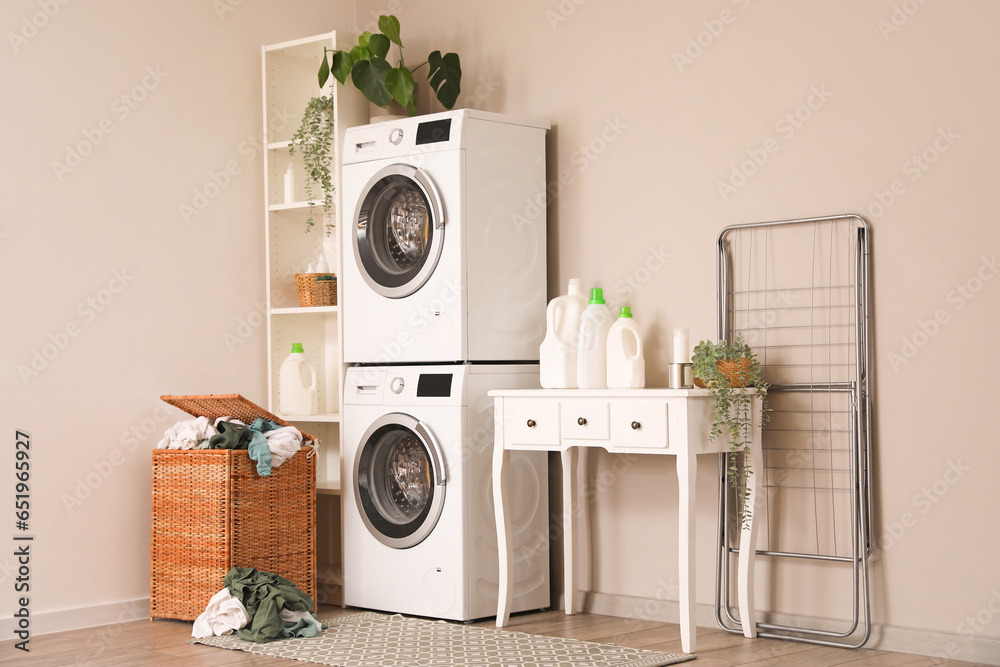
[(223, 614), (284, 443), (187, 434)]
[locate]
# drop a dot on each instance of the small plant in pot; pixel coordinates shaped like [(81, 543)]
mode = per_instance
[(731, 372), (382, 83), (313, 140)]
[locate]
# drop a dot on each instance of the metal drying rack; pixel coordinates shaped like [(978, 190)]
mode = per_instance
[(798, 292)]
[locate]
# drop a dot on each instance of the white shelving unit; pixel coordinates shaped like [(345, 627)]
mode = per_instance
[(289, 81)]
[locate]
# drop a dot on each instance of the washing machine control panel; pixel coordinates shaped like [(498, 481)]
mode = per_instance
[(405, 385)]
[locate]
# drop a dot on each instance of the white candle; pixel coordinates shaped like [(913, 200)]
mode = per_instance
[(682, 353)]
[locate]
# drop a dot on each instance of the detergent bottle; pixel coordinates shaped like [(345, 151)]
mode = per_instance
[(321, 264), (558, 352), (592, 352), (297, 394), (626, 366)]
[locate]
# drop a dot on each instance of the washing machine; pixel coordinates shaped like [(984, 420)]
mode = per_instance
[(443, 239), (419, 532)]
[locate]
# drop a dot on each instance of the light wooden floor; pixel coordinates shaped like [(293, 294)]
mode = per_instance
[(165, 643)]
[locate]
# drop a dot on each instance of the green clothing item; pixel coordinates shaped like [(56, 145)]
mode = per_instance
[(265, 594), (237, 436), (306, 626), (264, 425)]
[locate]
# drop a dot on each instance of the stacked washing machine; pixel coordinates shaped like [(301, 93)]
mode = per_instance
[(444, 294)]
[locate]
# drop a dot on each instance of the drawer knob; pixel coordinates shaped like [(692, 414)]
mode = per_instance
[(531, 423), (582, 421), (636, 426)]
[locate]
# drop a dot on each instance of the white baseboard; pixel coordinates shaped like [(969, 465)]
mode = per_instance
[(985, 650), (84, 617)]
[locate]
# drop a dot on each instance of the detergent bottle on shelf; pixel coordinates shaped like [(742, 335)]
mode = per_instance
[(558, 352), (297, 393), (321, 265), (592, 352), (626, 366)]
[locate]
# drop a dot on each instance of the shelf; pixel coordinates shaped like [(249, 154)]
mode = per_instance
[(295, 205), (328, 487), (312, 310), (327, 417), (289, 82), (305, 44)]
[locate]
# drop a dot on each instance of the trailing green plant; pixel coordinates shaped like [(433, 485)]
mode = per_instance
[(313, 139), (382, 83), (733, 393)]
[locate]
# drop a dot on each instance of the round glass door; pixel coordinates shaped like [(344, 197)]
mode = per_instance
[(400, 481), (399, 231)]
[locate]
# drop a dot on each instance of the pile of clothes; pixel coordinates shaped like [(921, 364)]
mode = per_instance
[(260, 606), (270, 444)]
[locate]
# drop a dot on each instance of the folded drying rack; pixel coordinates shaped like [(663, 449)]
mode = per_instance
[(798, 292)]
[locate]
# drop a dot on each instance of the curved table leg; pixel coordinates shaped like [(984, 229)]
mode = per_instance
[(687, 473), (748, 536), (501, 459), (569, 533), (583, 561)]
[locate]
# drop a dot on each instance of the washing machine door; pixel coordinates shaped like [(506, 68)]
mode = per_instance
[(398, 230), (400, 480)]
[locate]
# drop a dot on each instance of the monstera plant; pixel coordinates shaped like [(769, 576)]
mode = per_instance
[(382, 83)]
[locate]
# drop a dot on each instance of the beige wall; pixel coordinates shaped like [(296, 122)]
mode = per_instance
[(158, 97), (641, 145), (662, 137)]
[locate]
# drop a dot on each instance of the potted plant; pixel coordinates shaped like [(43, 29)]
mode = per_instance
[(731, 372), (382, 83), (314, 139)]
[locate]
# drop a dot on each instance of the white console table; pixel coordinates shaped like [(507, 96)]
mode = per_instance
[(672, 422)]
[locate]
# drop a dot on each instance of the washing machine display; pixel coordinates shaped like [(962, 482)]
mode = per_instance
[(400, 481), (399, 231)]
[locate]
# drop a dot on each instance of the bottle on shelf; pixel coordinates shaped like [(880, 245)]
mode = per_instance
[(626, 366), (297, 386), (558, 352), (321, 264), (289, 185), (592, 352)]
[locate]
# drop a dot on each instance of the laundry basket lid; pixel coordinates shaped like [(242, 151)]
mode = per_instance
[(214, 406)]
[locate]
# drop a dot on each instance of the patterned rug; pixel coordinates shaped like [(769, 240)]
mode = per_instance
[(369, 639)]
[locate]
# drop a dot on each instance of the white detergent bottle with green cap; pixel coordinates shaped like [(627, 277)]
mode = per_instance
[(626, 366), (297, 394), (592, 350), (557, 354)]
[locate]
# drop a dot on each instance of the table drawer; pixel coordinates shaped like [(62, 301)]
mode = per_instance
[(639, 424), (530, 422), (584, 420)]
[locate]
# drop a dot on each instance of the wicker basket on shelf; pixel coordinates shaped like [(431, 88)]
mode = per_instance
[(737, 370), (313, 292), (213, 512)]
